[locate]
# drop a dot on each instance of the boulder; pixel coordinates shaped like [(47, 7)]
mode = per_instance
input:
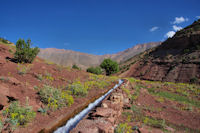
[(104, 112), (105, 128), (104, 105), (89, 130), (117, 98)]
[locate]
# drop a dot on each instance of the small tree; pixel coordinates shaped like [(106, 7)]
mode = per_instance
[(24, 52), (75, 67), (95, 70), (110, 66), (4, 40)]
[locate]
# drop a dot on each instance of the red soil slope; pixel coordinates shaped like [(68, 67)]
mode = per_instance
[(20, 87)]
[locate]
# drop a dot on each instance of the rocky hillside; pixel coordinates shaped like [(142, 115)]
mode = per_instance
[(175, 60), (83, 60)]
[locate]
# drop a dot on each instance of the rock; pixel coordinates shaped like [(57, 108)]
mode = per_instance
[(4, 90), (104, 105), (170, 129), (104, 112), (90, 130), (143, 130), (142, 90), (126, 100), (14, 81), (112, 120), (12, 95), (43, 67), (117, 98), (3, 100), (106, 128), (6, 95), (2, 61), (127, 106)]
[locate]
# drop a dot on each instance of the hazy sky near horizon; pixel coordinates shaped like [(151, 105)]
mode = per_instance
[(94, 26)]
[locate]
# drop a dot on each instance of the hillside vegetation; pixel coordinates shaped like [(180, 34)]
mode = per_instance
[(158, 107), (34, 95)]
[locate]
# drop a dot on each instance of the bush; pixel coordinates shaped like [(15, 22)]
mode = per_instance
[(186, 51), (39, 77), (18, 115), (78, 89), (42, 110), (95, 70), (4, 40), (24, 52), (23, 69), (1, 125), (99, 81), (55, 98), (194, 80), (154, 122), (110, 66), (100, 84), (75, 67), (123, 128)]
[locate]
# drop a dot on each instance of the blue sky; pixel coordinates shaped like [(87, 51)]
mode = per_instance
[(94, 26)]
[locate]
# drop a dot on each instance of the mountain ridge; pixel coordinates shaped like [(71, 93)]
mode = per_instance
[(84, 60)]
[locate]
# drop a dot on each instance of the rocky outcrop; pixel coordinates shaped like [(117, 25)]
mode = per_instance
[(175, 60), (165, 72), (6, 95), (103, 119)]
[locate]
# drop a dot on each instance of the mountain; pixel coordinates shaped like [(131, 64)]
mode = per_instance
[(83, 60), (175, 60)]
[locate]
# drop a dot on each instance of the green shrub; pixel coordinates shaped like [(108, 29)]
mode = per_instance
[(22, 69), (75, 67), (18, 115), (77, 89), (4, 78), (55, 98), (176, 97), (48, 76), (194, 80), (186, 51), (95, 70), (39, 77), (10, 51), (24, 52), (123, 128), (154, 122), (100, 84), (99, 81), (1, 125), (4, 40), (42, 110), (110, 66)]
